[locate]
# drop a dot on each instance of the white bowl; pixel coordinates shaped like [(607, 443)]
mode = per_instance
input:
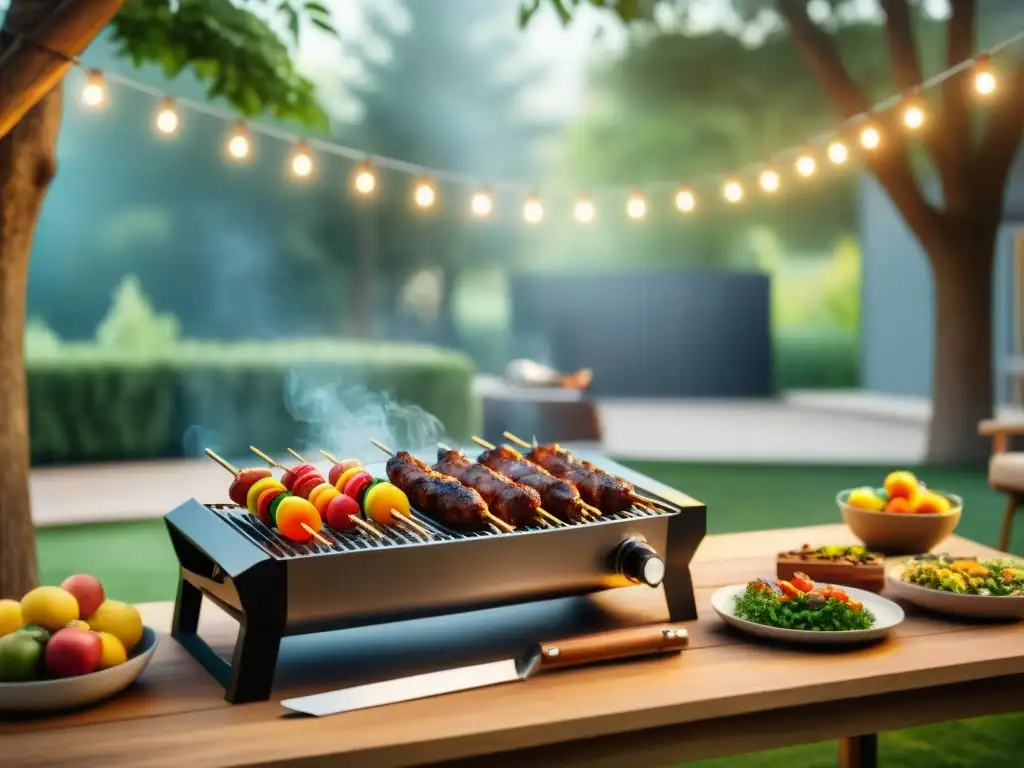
[(887, 615), (69, 692), (950, 603)]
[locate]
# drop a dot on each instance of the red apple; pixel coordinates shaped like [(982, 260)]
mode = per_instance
[(243, 482), (306, 483), (72, 652), (289, 478), (340, 511), (88, 591)]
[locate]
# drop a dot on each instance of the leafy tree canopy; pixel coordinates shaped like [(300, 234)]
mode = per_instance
[(242, 49)]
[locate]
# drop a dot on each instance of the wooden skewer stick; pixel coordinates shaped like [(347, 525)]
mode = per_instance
[(266, 458), (366, 527), (315, 535), (382, 447), (592, 510), (408, 521), (329, 456), (483, 443), (550, 518), (229, 467), (293, 453), (653, 503), (517, 440)]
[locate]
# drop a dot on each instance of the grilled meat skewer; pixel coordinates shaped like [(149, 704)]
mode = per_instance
[(440, 497), (508, 500), (605, 491), (559, 497)]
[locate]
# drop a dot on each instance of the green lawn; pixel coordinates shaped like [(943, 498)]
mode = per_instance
[(136, 563)]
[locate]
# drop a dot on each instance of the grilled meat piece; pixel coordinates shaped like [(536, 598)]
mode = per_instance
[(558, 497), (605, 491), (508, 500), (440, 497)]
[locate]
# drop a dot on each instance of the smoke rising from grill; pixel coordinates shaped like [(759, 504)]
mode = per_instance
[(343, 421)]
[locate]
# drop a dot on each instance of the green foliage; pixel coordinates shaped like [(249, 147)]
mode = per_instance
[(133, 324), (98, 404), (234, 47), (833, 615), (41, 341), (815, 358)]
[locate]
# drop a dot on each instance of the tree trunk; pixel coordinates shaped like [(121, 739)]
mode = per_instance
[(27, 166), (962, 380)]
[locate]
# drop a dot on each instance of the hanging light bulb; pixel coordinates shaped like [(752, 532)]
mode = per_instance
[(424, 194), (239, 145), (636, 205), (94, 92), (837, 152), (167, 120), (769, 181), (913, 114), (481, 204), (364, 179), (733, 191), (805, 165), (984, 77), (533, 211), (584, 210), (301, 164), (870, 138), (686, 201)]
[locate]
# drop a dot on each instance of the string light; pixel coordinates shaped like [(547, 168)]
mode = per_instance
[(636, 205), (584, 210), (167, 120), (94, 92), (732, 191), (239, 144), (686, 201), (481, 204), (424, 195), (911, 111), (364, 179), (301, 163), (984, 77), (805, 165), (870, 138), (913, 114), (838, 153), (769, 181), (533, 211)]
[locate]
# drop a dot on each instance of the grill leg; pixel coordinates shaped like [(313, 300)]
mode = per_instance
[(685, 532), (253, 663), (186, 609)]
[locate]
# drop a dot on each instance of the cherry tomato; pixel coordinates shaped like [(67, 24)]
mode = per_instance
[(802, 581)]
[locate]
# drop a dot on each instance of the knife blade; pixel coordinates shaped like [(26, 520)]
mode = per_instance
[(588, 649)]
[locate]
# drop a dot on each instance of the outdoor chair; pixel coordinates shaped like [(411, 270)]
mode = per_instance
[(1005, 471)]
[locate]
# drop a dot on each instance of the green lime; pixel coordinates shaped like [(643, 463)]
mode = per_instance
[(19, 658), (37, 633), (882, 494), (272, 509)]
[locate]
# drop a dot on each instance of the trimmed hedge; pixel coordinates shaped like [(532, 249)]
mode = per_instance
[(816, 360), (89, 404)]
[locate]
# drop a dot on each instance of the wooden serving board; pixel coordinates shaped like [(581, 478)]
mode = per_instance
[(869, 576)]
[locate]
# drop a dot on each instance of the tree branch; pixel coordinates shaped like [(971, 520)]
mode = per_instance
[(1000, 143), (907, 75), (955, 114), (30, 71), (890, 166)]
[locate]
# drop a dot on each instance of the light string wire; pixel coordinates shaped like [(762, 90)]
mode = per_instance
[(425, 193)]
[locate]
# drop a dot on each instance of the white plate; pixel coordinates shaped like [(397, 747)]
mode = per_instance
[(887, 615), (952, 604), (68, 692)]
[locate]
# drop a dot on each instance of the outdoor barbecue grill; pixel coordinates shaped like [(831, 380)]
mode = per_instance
[(276, 588)]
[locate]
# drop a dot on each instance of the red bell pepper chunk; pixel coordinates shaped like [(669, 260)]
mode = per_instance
[(802, 582)]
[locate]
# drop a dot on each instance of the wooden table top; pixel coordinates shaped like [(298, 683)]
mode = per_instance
[(713, 698)]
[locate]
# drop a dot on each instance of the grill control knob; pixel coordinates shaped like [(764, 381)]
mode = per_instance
[(637, 561)]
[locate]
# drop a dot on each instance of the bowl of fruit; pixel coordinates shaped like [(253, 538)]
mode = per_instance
[(68, 646), (903, 517)]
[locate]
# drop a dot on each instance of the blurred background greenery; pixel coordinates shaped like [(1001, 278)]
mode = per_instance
[(154, 256)]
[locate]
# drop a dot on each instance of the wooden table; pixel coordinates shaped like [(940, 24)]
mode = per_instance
[(725, 695)]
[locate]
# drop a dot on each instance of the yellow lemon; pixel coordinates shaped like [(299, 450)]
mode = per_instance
[(865, 498), (113, 651), (10, 617), (52, 608), (928, 503), (119, 619)]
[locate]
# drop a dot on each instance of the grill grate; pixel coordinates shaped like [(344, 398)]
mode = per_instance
[(393, 536)]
